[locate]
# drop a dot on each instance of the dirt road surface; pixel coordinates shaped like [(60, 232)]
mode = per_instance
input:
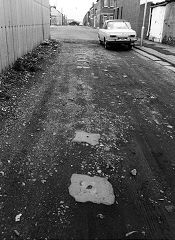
[(127, 99)]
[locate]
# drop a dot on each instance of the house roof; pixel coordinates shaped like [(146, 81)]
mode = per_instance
[(164, 3)]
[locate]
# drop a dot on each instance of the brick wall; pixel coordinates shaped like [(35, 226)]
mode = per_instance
[(130, 11), (104, 10)]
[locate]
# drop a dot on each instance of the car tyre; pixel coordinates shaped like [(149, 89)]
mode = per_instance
[(100, 41), (106, 44), (130, 46)]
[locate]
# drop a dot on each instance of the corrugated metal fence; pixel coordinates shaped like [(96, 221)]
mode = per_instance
[(23, 25)]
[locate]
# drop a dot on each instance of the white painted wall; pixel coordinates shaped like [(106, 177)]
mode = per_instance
[(157, 22)]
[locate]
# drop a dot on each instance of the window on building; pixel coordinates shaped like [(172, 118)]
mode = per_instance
[(117, 13), (121, 13), (111, 17), (111, 3), (104, 26), (105, 18), (105, 3), (115, 3)]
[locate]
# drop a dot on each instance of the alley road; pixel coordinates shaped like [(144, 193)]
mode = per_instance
[(127, 99)]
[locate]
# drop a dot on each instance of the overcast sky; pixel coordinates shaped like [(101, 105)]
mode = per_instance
[(154, 1), (75, 9)]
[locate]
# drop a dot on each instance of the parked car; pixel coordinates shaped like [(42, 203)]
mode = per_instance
[(117, 32)]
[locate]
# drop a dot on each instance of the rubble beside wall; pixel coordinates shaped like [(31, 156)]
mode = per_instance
[(24, 24)]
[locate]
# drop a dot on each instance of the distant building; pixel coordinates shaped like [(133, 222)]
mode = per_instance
[(64, 20), (113, 9), (86, 19), (56, 17), (92, 15), (69, 20), (74, 23)]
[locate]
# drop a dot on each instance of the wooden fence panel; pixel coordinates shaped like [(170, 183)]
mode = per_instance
[(23, 25)]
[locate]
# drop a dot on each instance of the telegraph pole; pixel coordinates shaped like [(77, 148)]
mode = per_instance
[(143, 26)]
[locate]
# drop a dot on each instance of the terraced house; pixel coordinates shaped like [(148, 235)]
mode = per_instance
[(114, 9), (104, 9), (129, 10)]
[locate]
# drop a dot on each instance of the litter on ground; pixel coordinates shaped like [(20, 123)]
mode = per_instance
[(91, 189), (134, 172), (16, 233), (90, 138), (101, 216), (18, 217), (170, 208), (130, 233)]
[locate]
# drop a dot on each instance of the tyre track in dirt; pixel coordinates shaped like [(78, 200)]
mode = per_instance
[(160, 171)]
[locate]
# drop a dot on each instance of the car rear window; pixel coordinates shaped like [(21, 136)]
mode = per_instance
[(118, 25)]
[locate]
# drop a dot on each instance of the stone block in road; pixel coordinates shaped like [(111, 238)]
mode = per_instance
[(91, 189), (90, 138)]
